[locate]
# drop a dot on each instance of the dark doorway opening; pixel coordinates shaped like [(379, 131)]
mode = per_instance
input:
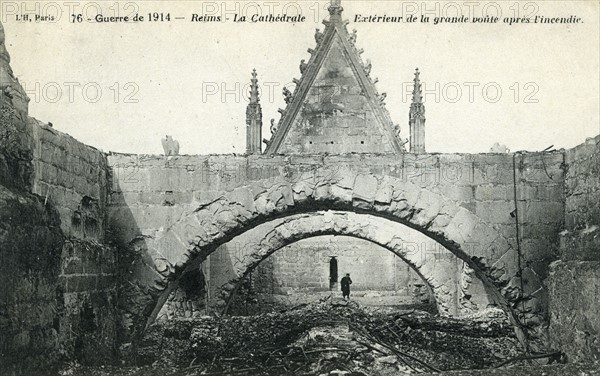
[(333, 272)]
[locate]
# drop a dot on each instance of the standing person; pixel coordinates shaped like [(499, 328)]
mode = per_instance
[(346, 282)]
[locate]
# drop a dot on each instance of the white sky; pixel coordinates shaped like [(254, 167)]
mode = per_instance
[(171, 65)]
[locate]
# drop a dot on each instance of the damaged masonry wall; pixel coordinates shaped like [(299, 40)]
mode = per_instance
[(162, 206), (58, 281), (574, 282)]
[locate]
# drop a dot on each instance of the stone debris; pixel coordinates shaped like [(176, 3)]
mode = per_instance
[(329, 337), (334, 337)]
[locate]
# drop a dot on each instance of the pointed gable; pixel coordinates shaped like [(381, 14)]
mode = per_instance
[(335, 107)]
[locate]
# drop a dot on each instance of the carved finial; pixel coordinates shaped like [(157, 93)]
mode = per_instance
[(318, 36), (335, 10), (368, 67), (417, 93), (397, 129), (353, 37), (417, 108), (287, 95), (417, 118), (254, 88), (303, 66)]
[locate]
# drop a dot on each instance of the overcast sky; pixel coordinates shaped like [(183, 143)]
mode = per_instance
[(159, 78)]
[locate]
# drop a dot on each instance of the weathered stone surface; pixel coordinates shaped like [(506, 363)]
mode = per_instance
[(582, 183), (365, 188), (581, 245), (72, 176), (574, 311), (30, 247), (16, 168), (573, 282), (63, 291)]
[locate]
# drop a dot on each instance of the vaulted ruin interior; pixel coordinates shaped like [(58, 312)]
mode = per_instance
[(96, 247)]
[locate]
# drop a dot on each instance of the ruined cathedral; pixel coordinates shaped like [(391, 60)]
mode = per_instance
[(99, 249)]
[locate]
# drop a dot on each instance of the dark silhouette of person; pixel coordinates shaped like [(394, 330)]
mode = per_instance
[(346, 282)]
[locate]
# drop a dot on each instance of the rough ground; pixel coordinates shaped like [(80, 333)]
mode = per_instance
[(332, 337)]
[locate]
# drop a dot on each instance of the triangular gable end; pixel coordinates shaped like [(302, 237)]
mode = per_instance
[(335, 108)]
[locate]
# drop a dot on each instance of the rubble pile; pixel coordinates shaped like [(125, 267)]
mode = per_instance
[(332, 336)]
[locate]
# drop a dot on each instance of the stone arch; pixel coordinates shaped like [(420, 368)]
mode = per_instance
[(216, 217), (376, 230)]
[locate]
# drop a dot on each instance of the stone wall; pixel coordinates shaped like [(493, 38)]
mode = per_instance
[(574, 292), (151, 197), (65, 172), (59, 283), (88, 281), (304, 266), (574, 281), (73, 177), (16, 169), (58, 296), (30, 297), (581, 238), (149, 192)]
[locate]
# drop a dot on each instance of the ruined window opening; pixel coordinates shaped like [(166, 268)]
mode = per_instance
[(333, 271)]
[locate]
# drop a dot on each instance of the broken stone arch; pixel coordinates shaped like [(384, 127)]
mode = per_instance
[(374, 229), (217, 217)]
